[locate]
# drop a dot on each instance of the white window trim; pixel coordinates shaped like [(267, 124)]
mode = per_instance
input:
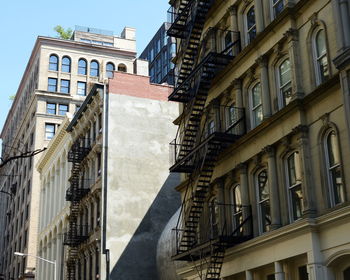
[(246, 30), (233, 201), (259, 202), (315, 58), (252, 109), (280, 97), (290, 188), (272, 8)]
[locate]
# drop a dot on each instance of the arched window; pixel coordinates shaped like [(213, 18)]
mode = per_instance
[(346, 273), (109, 69), (320, 56), (82, 67), (277, 7), (263, 201), (122, 67), (236, 199), (284, 83), (53, 62), (256, 105), (94, 68), (295, 194), (66, 62), (333, 165), (250, 25)]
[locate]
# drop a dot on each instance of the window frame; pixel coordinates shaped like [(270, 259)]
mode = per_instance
[(281, 97), (122, 68), (317, 59), (46, 130), (248, 35), (330, 186), (82, 70), (65, 87), (59, 109), (69, 64), (291, 187), (253, 108), (49, 109), (49, 85), (237, 208), (78, 88), (94, 69), (273, 6), (109, 72), (260, 202), (53, 63)]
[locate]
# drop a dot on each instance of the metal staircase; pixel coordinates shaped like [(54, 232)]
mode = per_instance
[(202, 135), (76, 234)]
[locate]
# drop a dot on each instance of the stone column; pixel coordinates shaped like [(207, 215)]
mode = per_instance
[(265, 87), (246, 210), (48, 256), (293, 50), (345, 21), (279, 274), (273, 187), (306, 170), (316, 269), (248, 275), (43, 265), (59, 254), (259, 15)]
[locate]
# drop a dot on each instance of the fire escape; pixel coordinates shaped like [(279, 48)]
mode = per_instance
[(204, 229), (76, 233)]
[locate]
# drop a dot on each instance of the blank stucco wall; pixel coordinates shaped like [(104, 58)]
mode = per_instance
[(141, 195)]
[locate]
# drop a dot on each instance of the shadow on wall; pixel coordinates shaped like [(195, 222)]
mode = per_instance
[(138, 261)]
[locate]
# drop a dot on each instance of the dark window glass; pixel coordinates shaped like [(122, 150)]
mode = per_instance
[(277, 6), (65, 86), (294, 186), (81, 88), (62, 109), (82, 67), (94, 69), (53, 63), (66, 64), (121, 68), (303, 275), (52, 85), (109, 69), (51, 108), (264, 201), (251, 24)]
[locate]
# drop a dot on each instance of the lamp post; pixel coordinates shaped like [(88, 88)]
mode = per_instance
[(40, 258)]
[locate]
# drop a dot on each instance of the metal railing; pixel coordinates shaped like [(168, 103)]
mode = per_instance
[(76, 236), (229, 222), (227, 120), (79, 150)]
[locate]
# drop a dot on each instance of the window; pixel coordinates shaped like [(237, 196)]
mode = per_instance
[(250, 25), (51, 108), (277, 7), (66, 64), (82, 66), (214, 217), (320, 56), (257, 114), (335, 181), (65, 86), (81, 88), (346, 273), (52, 85), (109, 69), (284, 83), (94, 68), (53, 62), (211, 127), (263, 198), (303, 275), (122, 67), (62, 109), (49, 131), (236, 199), (295, 195)]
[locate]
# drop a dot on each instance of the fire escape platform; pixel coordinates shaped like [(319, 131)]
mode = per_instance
[(214, 138)]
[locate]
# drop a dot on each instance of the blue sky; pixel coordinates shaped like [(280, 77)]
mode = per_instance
[(22, 21)]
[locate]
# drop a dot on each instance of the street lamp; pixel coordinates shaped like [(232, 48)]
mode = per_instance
[(40, 258)]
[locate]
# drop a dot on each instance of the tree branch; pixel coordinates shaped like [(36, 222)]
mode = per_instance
[(22, 155)]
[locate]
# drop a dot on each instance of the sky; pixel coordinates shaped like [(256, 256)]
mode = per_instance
[(22, 21)]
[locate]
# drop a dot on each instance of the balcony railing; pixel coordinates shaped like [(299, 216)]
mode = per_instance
[(226, 123), (229, 223), (78, 189), (76, 236), (79, 150)]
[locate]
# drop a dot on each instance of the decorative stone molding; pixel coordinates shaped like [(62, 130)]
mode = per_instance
[(270, 150)]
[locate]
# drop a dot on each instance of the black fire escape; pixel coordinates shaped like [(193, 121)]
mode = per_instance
[(205, 130), (76, 233)]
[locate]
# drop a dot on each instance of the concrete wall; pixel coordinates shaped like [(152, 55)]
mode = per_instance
[(140, 195)]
